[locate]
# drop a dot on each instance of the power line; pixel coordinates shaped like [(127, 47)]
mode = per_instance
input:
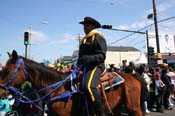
[(133, 40), (129, 35), (136, 42), (166, 19), (139, 30)]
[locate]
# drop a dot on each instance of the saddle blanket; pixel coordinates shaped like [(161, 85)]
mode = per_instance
[(116, 82)]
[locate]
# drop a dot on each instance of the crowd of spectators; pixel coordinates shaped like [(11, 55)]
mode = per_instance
[(160, 80)]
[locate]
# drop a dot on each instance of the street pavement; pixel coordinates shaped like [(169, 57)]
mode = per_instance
[(166, 113)]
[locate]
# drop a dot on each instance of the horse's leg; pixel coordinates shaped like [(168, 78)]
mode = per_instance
[(133, 96)]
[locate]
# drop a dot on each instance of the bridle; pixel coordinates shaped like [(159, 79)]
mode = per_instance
[(19, 63), (7, 85)]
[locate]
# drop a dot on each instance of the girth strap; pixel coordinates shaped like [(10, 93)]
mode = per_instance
[(105, 98)]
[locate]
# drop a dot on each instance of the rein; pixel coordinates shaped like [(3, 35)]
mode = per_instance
[(57, 85)]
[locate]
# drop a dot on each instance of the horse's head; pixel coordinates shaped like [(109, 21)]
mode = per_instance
[(13, 73)]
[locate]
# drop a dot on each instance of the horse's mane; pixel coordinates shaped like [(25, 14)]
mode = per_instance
[(42, 73)]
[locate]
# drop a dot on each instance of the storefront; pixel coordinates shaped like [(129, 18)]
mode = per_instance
[(169, 60)]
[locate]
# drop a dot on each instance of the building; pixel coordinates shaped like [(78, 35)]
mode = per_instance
[(115, 55)]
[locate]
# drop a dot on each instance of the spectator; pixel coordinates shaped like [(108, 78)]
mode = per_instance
[(156, 90), (152, 94), (124, 64), (171, 74), (112, 68), (168, 88), (128, 69), (159, 90), (131, 64), (143, 72)]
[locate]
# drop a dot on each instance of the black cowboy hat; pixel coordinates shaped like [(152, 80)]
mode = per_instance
[(90, 20)]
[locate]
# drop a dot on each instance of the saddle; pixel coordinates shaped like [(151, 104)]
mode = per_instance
[(107, 78), (107, 81)]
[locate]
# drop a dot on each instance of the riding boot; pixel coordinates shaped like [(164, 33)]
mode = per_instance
[(98, 106)]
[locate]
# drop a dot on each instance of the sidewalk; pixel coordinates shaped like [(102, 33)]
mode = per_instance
[(166, 113)]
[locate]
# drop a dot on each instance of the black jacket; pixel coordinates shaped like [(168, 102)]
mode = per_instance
[(95, 49), (167, 81)]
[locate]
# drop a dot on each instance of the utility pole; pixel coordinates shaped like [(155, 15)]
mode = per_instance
[(156, 27), (79, 39), (147, 44)]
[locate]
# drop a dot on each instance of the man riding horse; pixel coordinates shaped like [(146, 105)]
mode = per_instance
[(92, 53)]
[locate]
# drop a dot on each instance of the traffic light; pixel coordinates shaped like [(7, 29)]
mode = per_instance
[(150, 16), (106, 26), (150, 51), (26, 38)]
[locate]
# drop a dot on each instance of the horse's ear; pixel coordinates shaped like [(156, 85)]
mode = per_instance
[(9, 55), (14, 56)]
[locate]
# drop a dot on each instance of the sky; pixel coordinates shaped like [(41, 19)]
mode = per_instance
[(58, 35)]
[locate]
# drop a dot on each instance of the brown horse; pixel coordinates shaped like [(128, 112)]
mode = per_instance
[(19, 69)]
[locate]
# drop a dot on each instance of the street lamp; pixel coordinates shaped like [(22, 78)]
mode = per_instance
[(30, 38)]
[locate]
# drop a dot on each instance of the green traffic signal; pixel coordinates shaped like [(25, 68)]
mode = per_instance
[(26, 41), (26, 38)]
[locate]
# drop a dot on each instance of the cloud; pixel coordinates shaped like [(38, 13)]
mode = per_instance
[(165, 6), (66, 39), (167, 27), (161, 9), (124, 27), (136, 25), (37, 37), (60, 45)]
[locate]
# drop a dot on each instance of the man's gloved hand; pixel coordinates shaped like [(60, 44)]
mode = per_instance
[(85, 59)]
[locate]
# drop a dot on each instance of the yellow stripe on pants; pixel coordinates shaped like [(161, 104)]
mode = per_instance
[(89, 83)]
